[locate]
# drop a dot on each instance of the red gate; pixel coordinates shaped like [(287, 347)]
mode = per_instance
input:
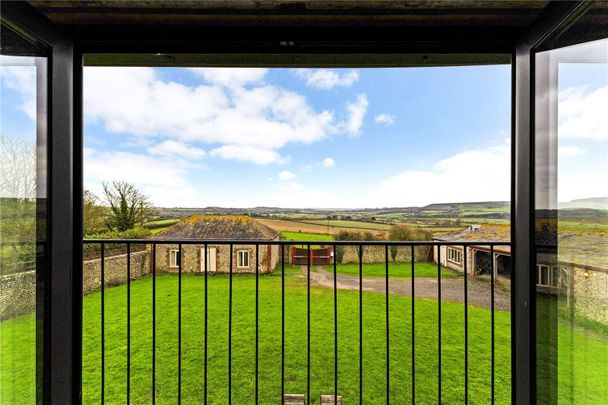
[(318, 256)]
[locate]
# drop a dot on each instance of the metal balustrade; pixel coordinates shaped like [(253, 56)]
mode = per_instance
[(359, 245)]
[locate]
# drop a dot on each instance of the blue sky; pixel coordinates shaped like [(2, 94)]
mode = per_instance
[(319, 138), (384, 123)]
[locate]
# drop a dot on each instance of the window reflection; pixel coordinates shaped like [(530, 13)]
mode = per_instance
[(572, 223), (22, 214)]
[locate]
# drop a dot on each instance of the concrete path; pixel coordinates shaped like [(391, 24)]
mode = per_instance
[(452, 289)]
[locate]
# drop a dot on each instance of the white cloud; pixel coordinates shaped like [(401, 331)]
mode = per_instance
[(170, 148), (328, 162), (21, 78), (286, 175), (259, 119), (258, 156), (473, 175), (231, 77), (325, 79), (356, 111), (290, 186), (385, 119), (164, 181), (582, 113), (566, 151)]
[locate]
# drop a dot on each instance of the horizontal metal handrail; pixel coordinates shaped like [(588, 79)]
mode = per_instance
[(297, 242)]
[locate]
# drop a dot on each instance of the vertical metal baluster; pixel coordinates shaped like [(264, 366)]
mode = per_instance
[(230, 329), (388, 351), (257, 322), (103, 317), (492, 314), (466, 329), (205, 329), (154, 323), (128, 323), (439, 383), (179, 327), (360, 323), (308, 328), (335, 329), (282, 323), (412, 255)]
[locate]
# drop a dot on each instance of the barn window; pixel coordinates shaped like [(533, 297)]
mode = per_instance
[(549, 276), (242, 258), (174, 258), (454, 255), (543, 275)]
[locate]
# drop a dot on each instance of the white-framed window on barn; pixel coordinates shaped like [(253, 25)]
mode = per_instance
[(242, 259), (174, 258), (454, 255), (547, 276)]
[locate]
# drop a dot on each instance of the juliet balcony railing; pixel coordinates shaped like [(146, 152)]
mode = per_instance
[(161, 315)]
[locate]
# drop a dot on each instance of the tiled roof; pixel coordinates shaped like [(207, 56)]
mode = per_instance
[(490, 233), (218, 227), (585, 247)]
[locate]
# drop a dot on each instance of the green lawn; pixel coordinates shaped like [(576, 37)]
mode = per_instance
[(305, 236), (398, 270), (17, 348)]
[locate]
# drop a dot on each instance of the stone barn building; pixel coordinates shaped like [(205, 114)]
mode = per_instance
[(210, 228), (478, 256), (577, 273)]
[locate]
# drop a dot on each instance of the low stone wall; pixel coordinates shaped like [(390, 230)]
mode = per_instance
[(17, 294), (18, 291), (115, 270), (591, 294), (376, 254)]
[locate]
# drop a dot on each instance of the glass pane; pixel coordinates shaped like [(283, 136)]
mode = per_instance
[(572, 223), (22, 212)]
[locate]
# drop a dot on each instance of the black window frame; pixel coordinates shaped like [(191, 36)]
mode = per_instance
[(63, 318)]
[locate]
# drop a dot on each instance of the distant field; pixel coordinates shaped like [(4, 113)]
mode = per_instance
[(162, 223), (335, 226), (338, 223), (464, 221), (305, 236), (571, 225), (282, 225)]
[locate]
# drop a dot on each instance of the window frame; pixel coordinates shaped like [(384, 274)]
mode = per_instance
[(454, 252), (176, 255), (238, 259), (539, 275)]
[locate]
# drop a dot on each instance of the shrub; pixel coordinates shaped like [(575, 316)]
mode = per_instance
[(352, 236), (406, 233)]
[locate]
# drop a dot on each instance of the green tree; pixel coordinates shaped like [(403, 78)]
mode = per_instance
[(93, 214), (128, 206), (406, 233)]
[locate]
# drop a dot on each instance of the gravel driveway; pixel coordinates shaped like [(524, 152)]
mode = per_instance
[(452, 289)]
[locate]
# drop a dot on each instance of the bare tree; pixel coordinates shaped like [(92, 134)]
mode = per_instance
[(17, 202), (17, 168), (128, 206)]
